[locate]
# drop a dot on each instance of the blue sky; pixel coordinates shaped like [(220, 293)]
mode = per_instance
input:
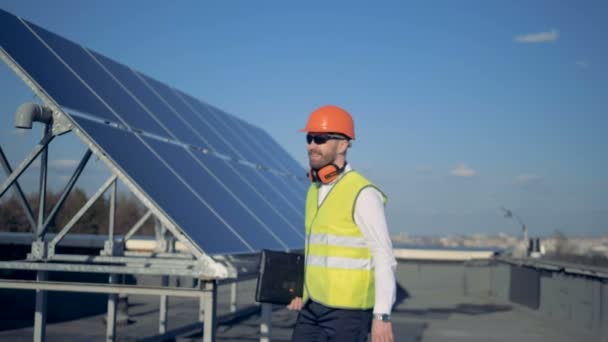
[(460, 107)]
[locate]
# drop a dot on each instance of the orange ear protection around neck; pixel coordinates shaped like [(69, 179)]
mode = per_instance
[(326, 174)]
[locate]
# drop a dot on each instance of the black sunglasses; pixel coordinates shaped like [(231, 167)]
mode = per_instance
[(322, 138)]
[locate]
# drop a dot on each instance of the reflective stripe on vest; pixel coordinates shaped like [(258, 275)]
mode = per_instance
[(339, 262), (339, 265)]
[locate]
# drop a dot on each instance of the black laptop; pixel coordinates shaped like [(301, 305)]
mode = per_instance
[(281, 277)]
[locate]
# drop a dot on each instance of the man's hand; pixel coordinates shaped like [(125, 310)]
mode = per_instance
[(296, 304), (381, 331)]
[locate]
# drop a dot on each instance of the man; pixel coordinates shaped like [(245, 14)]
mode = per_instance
[(350, 269)]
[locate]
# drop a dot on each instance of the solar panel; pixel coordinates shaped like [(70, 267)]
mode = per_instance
[(203, 168), (249, 147), (226, 202), (172, 195), (46, 70), (230, 140)]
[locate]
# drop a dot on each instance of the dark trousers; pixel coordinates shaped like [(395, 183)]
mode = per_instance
[(317, 322)]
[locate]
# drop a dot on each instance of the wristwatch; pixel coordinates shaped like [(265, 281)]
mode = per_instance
[(382, 317)]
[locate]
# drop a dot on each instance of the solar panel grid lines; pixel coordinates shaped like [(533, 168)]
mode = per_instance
[(270, 152), (247, 223), (155, 87), (279, 183), (223, 198), (167, 220), (112, 141), (252, 141), (219, 181), (259, 139), (91, 73), (294, 168), (268, 183), (27, 50), (184, 146), (205, 119), (247, 146), (163, 129)]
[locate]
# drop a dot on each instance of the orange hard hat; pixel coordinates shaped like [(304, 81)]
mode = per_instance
[(331, 119)]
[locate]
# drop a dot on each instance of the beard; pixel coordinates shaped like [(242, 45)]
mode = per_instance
[(318, 159)]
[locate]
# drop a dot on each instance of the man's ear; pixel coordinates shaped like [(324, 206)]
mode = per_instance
[(344, 145)]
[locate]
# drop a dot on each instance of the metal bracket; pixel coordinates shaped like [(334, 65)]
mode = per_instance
[(39, 251), (61, 124), (113, 247)]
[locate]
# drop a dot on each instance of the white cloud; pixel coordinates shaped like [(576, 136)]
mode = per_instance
[(525, 179), (539, 37), (63, 164), (533, 183), (463, 171), (582, 64)]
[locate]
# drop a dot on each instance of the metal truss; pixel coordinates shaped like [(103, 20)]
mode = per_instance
[(114, 259)]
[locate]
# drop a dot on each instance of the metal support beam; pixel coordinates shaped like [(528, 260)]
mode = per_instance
[(18, 191), (40, 314), (67, 190), (233, 296), (160, 255), (210, 314), (112, 218), (25, 164), (44, 162), (137, 225), (266, 323), (113, 278), (162, 246), (100, 288), (152, 262), (111, 317), (81, 212), (87, 268), (41, 296), (164, 306)]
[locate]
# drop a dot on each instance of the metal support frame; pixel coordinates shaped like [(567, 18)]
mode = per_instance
[(158, 270), (209, 301), (233, 296), (139, 261), (111, 316), (40, 313), (113, 278), (163, 308), (198, 265), (266, 323), (25, 164), (100, 288), (79, 214), (63, 124), (137, 225), (162, 246), (18, 191), (67, 190), (41, 296)]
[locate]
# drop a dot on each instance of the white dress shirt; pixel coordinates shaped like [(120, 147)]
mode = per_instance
[(369, 216)]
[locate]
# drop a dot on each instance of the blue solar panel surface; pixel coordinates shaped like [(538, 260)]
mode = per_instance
[(225, 183), (46, 70), (161, 184)]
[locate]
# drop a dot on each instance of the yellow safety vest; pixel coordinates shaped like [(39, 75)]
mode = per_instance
[(339, 270)]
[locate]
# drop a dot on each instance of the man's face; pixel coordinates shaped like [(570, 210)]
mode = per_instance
[(323, 154)]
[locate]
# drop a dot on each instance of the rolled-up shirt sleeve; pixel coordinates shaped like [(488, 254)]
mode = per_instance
[(369, 216)]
